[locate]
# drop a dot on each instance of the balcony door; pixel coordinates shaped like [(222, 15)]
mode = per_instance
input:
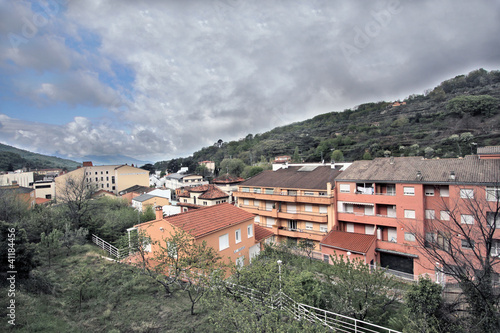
[(292, 224)]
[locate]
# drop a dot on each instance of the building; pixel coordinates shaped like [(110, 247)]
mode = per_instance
[(134, 191), (210, 165), (282, 159), (295, 202), (144, 200), (112, 178), (25, 179), (226, 228), (490, 152), (200, 196), (394, 200), (45, 189), (178, 180), (26, 194), (228, 184)]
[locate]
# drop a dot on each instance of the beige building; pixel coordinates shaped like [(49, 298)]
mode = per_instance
[(142, 201), (24, 179), (112, 178), (45, 189)]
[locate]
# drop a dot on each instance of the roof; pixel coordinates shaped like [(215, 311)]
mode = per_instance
[(291, 177), (262, 233), (204, 221), (227, 179), (208, 191), (17, 189), (488, 150), (136, 189), (41, 201), (470, 169), (348, 241), (143, 197)]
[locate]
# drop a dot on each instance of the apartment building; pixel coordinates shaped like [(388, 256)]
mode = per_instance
[(226, 228), (393, 200), (178, 180), (200, 196), (295, 202), (24, 179), (112, 178)]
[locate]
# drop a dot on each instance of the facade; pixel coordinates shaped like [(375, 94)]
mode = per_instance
[(397, 200), (45, 189), (178, 180), (210, 165), (112, 178), (142, 201), (226, 228), (295, 202), (134, 191), (25, 179), (490, 152), (200, 196), (26, 194)]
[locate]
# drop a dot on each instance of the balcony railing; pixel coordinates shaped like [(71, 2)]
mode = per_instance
[(303, 230), (363, 214), (285, 193)]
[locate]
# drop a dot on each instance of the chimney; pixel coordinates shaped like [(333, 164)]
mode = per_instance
[(159, 212), (419, 175), (391, 160), (452, 175)]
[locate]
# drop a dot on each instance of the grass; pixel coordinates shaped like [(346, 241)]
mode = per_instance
[(115, 298)]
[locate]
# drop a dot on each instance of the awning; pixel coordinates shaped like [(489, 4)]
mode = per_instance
[(357, 203), (397, 253)]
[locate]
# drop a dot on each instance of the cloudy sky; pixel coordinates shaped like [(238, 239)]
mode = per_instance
[(160, 79)]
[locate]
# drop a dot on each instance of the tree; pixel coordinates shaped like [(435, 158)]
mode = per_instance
[(76, 194), (72, 237), (12, 208), (307, 246), (367, 156), (233, 166), (149, 167), (461, 241), (296, 156), (337, 156), (50, 243), (12, 236)]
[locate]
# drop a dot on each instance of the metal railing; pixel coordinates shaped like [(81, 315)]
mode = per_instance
[(112, 250)]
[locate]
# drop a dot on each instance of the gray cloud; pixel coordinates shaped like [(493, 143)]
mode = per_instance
[(223, 69)]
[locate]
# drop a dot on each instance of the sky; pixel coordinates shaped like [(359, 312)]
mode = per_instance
[(160, 79)]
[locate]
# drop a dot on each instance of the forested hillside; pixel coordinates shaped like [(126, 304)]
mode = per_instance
[(12, 158), (448, 121)]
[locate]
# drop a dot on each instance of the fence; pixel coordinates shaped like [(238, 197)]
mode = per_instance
[(112, 250)]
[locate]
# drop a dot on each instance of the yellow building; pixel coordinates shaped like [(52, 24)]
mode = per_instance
[(112, 178)]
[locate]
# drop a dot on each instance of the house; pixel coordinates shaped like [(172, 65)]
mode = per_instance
[(228, 184), (393, 200), (295, 202), (26, 194), (226, 228), (200, 196), (210, 165), (45, 189), (490, 152), (112, 178), (282, 159), (134, 191), (178, 180), (142, 201)]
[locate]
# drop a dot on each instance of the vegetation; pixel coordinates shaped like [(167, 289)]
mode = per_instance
[(421, 127), (12, 158)]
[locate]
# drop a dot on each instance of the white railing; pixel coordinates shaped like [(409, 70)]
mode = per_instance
[(112, 250), (300, 311), (399, 274)]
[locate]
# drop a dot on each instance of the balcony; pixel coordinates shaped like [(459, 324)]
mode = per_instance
[(304, 216), (301, 233), (375, 198), (382, 220), (283, 196)]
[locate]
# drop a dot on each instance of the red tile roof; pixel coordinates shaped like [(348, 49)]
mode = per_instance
[(204, 221), (209, 191), (40, 201), (262, 233), (348, 241), (227, 179)]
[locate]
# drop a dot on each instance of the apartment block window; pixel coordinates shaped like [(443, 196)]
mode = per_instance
[(467, 193), (102, 185), (430, 214), (345, 188), (256, 190), (291, 192), (292, 224), (112, 179), (408, 190), (269, 191), (246, 202), (495, 248), (369, 229), (256, 219), (256, 203), (223, 242), (96, 172), (444, 191), (237, 236), (107, 185), (102, 179), (291, 208), (101, 172), (493, 193), (106, 171), (368, 210), (309, 226), (107, 178), (269, 222), (467, 244), (308, 208), (323, 227), (321, 193), (409, 214), (269, 205), (444, 215), (392, 235), (323, 209), (349, 227), (409, 237), (96, 179), (429, 191), (245, 189), (493, 221), (308, 193), (250, 230), (466, 219)]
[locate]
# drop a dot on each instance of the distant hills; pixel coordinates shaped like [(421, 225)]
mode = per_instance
[(12, 158), (451, 120)]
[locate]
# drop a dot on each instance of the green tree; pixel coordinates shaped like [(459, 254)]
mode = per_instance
[(296, 156), (367, 156), (307, 247), (474, 105), (13, 240), (72, 237), (424, 301), (233, 166), (51, 243), (148, 214), (337, 156), (75, 196)]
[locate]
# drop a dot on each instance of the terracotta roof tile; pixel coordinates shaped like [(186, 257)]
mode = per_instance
[(349, 241), (203, 221), (489, 150), (262, 233), (227, 179)]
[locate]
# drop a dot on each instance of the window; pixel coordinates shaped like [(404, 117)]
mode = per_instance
[(101, 172), (444, 215), (439, 240), (467, 219), (204, 203), (113, 188), (106, 171), (223, 242), (493, 221), (467, 193), (409, 237), (96, 179), (308, 193), (107, 178), (112, 179), (309, 226), (321, 193), (429, 191), (256, 203), (495, 247), (430, 214), (237, 236), (392, 235), (308, 208), (246, 202), (256, 219), (345, 188), (256, 190), (146, 246), (172, 250), (245, 189), (323, 209), (250, 230), (269, 222), (240, 261), (291, 192), (391, 189), (102, 179), (444, 191), (269, 191), (408, 190), (409, 214), (369, 229), (269, 205), (292, 224), (349, 227), (323, 227), (492, 193), (467, 244), (368, 210), (291, 208)]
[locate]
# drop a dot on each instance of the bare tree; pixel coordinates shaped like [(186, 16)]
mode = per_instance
[(464, 243), (75, 194)]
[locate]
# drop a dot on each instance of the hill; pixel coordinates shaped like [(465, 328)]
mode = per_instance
[(448, 121), (15, 158)]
